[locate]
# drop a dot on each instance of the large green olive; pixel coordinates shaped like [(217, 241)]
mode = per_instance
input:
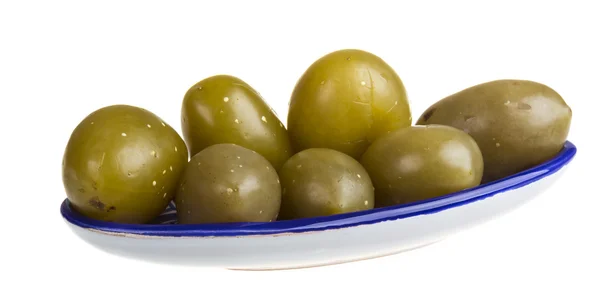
[(122, 164), (321, 182), (225, 109), (227, 183), (344, 101), (422, 162), (516, 123)]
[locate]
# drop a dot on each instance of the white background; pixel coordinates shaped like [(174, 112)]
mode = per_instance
[(61, 60)]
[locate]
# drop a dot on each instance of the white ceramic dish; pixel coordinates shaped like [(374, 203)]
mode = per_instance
[(318, 241)]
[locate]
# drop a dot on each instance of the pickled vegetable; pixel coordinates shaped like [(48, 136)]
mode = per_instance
[(516, 123), (344, 101), (422, 162), (321, 182), (228, 183), (225, 109), (122, 164)]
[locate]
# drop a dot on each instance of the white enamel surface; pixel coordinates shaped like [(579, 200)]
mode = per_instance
[(316, 248)]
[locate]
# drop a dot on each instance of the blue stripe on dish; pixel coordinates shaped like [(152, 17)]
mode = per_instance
[(165, 225)]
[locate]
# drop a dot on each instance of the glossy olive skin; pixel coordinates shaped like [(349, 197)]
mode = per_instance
[(344, 101), (321, 182), (516, 123), (227, 183), (225, 109), (422, 162), (122, 164)]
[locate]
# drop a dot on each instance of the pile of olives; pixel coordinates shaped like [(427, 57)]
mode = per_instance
[(350, 145)]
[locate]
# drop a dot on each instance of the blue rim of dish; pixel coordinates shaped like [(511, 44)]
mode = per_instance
[(336, 221)]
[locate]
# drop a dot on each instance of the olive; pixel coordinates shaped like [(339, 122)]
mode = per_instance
[(122, 164), (516, 123), (422, 162), (227, 183), (344, 101), (225, 109), (320, 182)]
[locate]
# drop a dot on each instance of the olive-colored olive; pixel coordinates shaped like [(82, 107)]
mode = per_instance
[(344, 101), (321, 182), (122, 164), (226, 183), (225, 109), (516, 123), (422, 162)]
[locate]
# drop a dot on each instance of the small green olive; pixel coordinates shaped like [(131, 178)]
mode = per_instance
[(225, 109), (228, 183), (344, 101), (320, 182), (122, 164), (516, 123), (422, 162)]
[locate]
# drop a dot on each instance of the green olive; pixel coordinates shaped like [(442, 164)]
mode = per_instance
[(344, 101), (227, 183), (422, 162), (122, 164), (225, 109), (320, 182), (516, 123)]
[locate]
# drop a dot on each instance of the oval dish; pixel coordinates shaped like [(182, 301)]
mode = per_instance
[(323, 240)]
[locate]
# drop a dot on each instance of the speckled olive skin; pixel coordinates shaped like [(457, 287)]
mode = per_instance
[(122, 164), (344, 101), (422, 162), (225, 109), (227, 183), (516, 123), (321, 182)]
